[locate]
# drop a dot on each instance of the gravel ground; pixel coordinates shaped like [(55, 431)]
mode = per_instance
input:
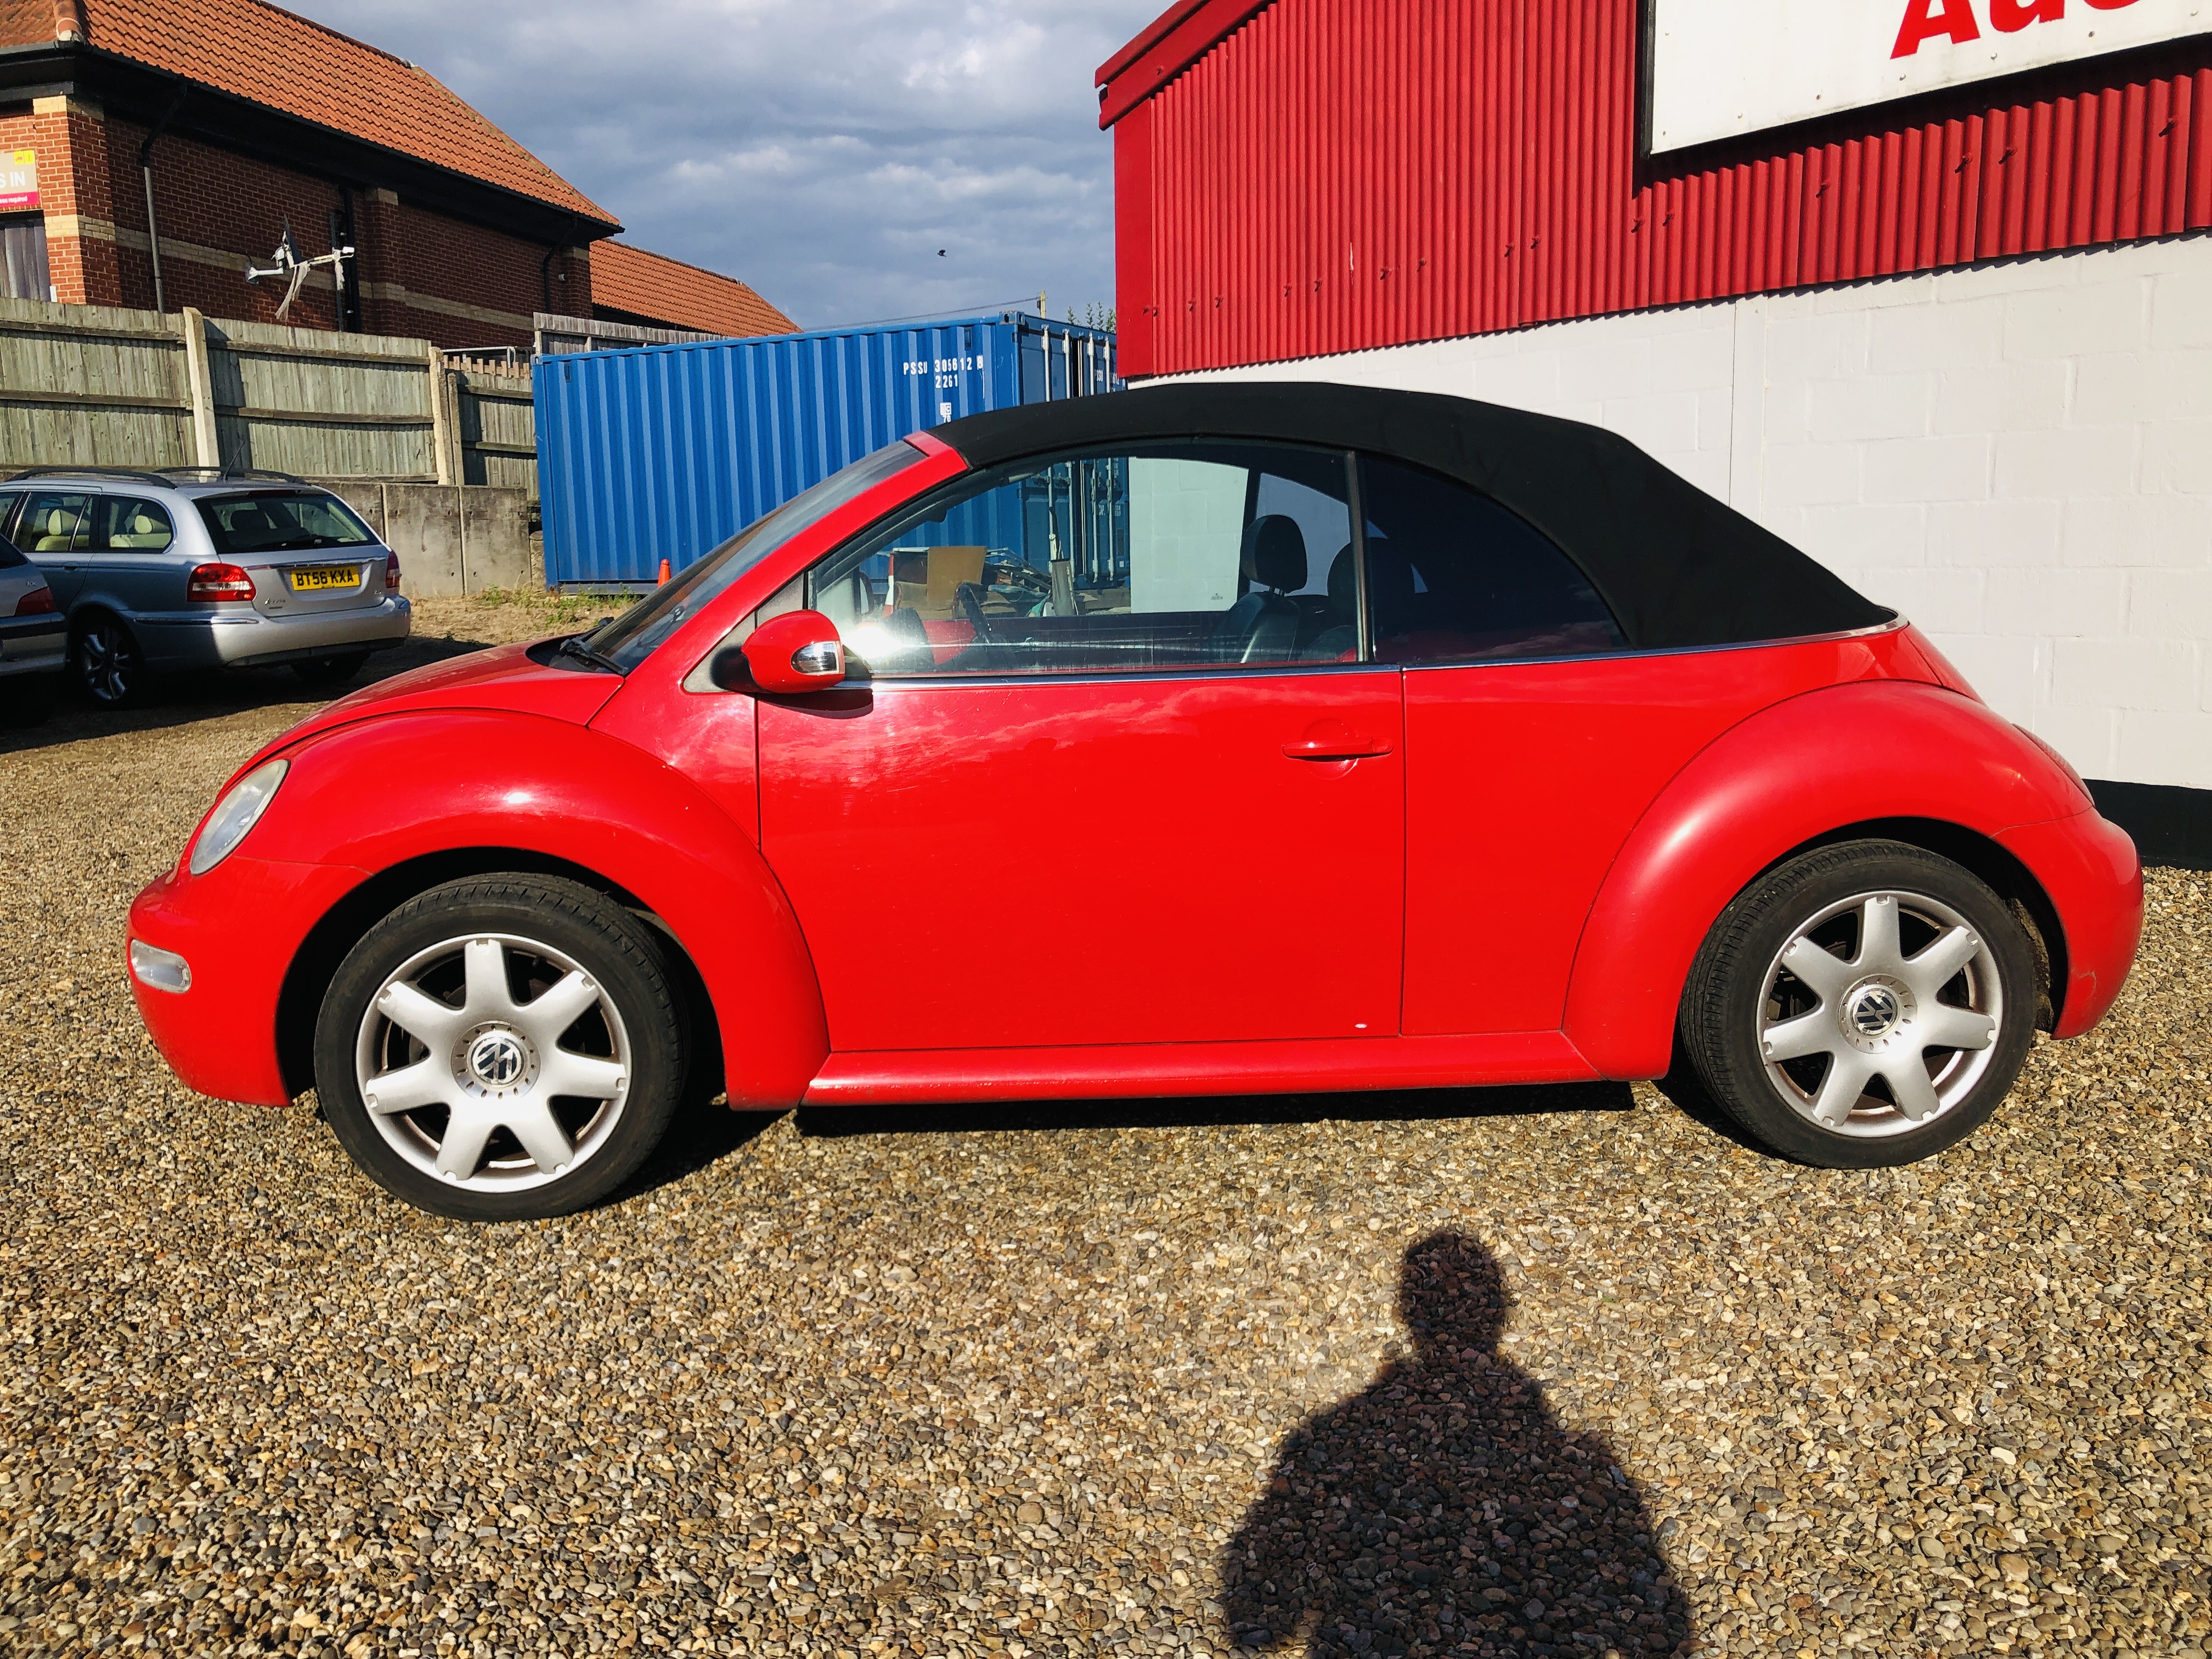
[(1525, 1371)]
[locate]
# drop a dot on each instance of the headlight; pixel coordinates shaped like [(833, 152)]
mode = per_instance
[(238, 812)]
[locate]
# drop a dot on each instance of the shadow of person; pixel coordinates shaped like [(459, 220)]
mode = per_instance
[(1443, 1509)]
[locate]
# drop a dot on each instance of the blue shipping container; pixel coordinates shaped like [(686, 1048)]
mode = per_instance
[(665, 451)]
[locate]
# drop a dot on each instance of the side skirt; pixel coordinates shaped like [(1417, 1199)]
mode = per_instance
[(1120, 1071)]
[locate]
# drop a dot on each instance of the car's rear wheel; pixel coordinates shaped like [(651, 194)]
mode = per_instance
[(502, 1048), (104, 662), (1861, 1005), (334, 670)]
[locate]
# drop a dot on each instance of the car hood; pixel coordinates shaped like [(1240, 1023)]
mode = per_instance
[(502, 677)]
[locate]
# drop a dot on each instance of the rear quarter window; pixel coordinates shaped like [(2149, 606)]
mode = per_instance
[(1453, 576), (125, 524)]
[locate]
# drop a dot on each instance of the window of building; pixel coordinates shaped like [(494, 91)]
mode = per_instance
[(1452, 576), (23, 254), (1162, 556)]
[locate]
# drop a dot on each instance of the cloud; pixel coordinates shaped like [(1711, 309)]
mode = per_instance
[(822, 152)]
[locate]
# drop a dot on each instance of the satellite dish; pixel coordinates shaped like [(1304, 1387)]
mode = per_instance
[(288, 263)]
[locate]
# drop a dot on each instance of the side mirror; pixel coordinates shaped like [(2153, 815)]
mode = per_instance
[(799, 651)]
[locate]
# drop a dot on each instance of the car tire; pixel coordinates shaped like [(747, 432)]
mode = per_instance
[(1814, 1013), (333, 670), (105, 664), (473, 1123)]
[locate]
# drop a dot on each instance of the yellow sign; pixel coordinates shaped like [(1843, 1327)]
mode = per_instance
[(325, 575), (19, 180)]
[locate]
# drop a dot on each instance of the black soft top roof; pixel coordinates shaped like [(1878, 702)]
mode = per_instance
[(1679, 568)]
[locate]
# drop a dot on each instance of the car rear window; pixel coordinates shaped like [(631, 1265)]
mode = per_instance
[(9, 558), (281, 521)]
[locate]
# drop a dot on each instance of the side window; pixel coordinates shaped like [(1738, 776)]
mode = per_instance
[(1453, 577), (24, 272), (51, 522), (123, 524), (10, 500), (1166, 556)]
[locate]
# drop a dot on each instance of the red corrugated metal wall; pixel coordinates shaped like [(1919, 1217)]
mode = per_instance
[(1343, 173)]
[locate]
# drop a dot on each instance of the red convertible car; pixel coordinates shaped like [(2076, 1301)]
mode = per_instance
[(1200, 738)]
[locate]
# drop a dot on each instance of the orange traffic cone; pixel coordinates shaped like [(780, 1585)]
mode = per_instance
[(664, 570)]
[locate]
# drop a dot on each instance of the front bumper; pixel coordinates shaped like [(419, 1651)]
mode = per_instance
[(220, 1036), (2089, 868), (244, 638)]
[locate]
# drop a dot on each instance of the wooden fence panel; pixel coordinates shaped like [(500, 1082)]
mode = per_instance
[(91, 386), (499, 428), (307, 401)]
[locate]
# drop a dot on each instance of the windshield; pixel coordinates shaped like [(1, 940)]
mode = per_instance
[(281, 521), (630, 639)]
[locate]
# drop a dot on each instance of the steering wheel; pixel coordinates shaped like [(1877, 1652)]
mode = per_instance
[(970, 598)]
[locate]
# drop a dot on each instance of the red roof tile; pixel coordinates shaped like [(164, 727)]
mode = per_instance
[(625, 278), (261, 53)]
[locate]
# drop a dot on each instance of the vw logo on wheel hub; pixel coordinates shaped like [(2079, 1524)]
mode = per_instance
[(1874, 1009), (495, 1060)]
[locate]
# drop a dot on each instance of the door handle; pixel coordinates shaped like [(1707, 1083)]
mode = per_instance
[(1333, 743)]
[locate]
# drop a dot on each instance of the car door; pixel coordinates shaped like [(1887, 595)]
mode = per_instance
[(48, 531), (1110, 769), (125, 556), (1534, 739)]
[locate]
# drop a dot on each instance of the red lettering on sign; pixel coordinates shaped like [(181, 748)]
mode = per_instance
[(2010, 16), (2110, 5), (1926, 19)]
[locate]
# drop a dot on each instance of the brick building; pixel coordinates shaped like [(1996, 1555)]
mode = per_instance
[(227, 120)]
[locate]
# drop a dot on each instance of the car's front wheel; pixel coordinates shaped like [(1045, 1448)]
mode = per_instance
[(1861, 1005), (104, 661), (502, 1048)]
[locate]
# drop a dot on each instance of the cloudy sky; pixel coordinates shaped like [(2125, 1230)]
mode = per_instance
[(823, 150)]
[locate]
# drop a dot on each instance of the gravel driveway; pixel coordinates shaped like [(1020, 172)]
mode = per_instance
[(1522, 1371)]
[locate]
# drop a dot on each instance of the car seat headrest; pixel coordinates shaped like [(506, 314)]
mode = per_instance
[(1343, 583), (1276, 553)]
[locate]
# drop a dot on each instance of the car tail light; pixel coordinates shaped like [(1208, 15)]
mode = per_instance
[(391, 573), (38, 602), (211, 583)]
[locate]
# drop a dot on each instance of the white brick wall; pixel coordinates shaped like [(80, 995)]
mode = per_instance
[(2019, 457)]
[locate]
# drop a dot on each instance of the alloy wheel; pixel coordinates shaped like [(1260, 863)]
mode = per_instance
[(1879, 1014), (106, 662), (493, 1063)]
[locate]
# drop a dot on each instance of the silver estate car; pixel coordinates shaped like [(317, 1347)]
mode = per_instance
[(203, 568)]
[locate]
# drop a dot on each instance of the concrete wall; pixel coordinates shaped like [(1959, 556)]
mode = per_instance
[(2016, 456), (451, 539)]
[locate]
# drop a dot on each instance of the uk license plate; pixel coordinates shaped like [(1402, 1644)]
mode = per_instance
[(320, 577)]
